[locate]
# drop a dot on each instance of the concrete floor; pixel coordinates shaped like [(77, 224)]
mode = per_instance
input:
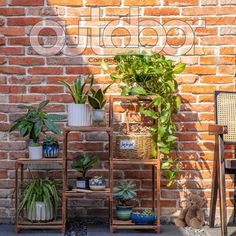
[(167, 230)]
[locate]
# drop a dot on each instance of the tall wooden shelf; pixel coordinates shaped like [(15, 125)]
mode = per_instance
[(21, 223), (155, 163), (72, 193)]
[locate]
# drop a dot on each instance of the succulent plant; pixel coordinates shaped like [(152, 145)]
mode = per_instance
[(125, 192), (50, 140)]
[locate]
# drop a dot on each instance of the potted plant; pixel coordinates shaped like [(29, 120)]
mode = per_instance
[(79, 113), (50, 147), (144, 217), (82, 164), (97, 101), (97, 183), (33, 123), (123, 194), (40, 200), (152, 74)]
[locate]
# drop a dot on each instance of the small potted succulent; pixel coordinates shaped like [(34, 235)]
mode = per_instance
[(82, 164), (97, 183), (79, 113), (97, 101), (40, 200), (144, 217), (50, 147), (33, 123), (123, 194)]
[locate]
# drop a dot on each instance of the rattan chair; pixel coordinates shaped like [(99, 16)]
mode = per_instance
[(225, 133)]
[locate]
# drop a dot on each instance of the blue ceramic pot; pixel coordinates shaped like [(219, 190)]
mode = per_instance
[(123, 212), (50, 150), (97, 183), (143, 219)]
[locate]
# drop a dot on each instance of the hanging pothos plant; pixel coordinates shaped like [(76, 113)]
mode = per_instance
[(151, 74)]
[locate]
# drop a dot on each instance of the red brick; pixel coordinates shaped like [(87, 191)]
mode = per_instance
[(223, 40), (12, 11), (228, 50), (65, 2), (198, 11), (2, 60), (3, 174), (26, 61), (23, 21), (198, 89), (83, 70), (141, 2), (103, 3), (162, 11), (217, 79), (46, 89), (27, 2), (45, 71), (180, 2), (200, 70), (2, 2), (12, 70), (230, 70), (65, 98), (221, 60), (12, 31), (11, 51), (19, 41), (12, 89), (26, 98)]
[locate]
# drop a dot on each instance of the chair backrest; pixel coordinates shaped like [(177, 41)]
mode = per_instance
[(225, 111)]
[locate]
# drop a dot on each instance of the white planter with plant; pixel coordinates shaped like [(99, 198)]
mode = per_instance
[(79, 113), (97, 101), (33, 123), (35, 151), (40, 200)]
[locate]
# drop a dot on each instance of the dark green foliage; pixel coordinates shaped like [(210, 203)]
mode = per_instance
[(50, 140), (42, 191), (84, 163), (153, 74), (35, 120)]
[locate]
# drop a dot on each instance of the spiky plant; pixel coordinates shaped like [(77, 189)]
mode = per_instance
[(77, 89), (124, 192)]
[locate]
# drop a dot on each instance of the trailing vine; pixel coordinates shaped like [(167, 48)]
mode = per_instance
[(151, 74)]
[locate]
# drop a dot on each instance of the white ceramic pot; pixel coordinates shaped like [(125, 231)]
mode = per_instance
[(35, 152), (41, 212), (79, 115), (98, 115)]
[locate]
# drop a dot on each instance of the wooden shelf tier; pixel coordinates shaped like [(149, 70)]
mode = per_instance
[(87, 129), (25, 224), (135, 161), (76, 193), (26, 161), (122, 224)]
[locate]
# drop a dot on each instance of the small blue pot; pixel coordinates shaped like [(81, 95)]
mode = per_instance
[(143, 219), (50, 151), (97, 184)]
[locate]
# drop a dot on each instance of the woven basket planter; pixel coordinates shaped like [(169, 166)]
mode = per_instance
[(134, 146)]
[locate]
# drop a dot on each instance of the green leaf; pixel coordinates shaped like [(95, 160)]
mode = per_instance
[(157, 101), (124, 91), (154, 152), (179, 68), (161, 131), (94, 103), (178, 101), (165, 150), (171, 138), (138, 91), (43, 104), (52, 127), (104, 66)]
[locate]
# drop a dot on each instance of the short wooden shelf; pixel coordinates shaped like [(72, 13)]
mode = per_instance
[(138, 162), (40, 161), (122, 224), (56, 224), (75, 193)]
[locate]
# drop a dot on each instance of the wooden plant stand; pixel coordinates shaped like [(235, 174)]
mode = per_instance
[(155, 163), (79, 193), (21, 223)]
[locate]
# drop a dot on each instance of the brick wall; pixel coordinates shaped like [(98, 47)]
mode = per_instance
[(27, 77)]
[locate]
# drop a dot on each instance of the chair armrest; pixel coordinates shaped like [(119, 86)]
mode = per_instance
[(217, 129)]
